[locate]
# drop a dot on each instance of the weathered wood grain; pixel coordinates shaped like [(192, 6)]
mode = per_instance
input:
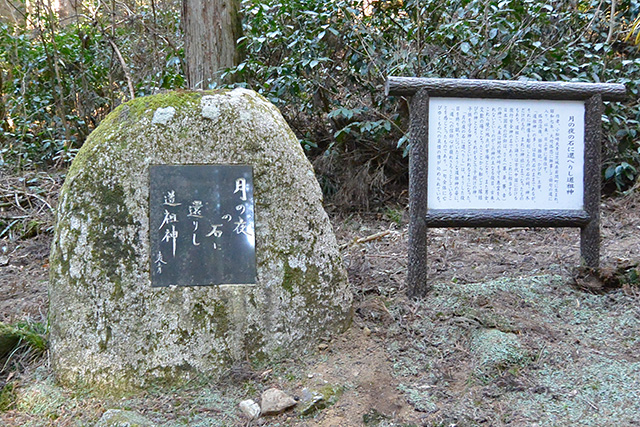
[(418, 166), (506, 218), (590, 232), (463, 88)]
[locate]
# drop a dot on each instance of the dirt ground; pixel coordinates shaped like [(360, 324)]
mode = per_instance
[(511, 333)]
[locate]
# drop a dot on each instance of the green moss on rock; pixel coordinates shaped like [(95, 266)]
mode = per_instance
[(109, 328), (290, 278)]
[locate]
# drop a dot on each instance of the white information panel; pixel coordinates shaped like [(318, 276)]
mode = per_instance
[(505, 154)]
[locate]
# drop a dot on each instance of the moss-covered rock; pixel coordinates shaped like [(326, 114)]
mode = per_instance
[(109, 328), (495, 351)]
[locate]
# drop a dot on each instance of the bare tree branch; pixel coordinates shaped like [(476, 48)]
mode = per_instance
[(125, 69)]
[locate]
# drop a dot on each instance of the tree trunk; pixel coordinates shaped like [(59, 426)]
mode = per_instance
[(211, 28)]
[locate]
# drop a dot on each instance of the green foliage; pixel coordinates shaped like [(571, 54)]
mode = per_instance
[(30, 334), (8, 397), (300, 56), (20, 343), (324, 62), (394, 215), (58, 80)]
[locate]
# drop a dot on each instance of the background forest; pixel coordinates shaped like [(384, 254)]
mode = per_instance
[(65, 64)]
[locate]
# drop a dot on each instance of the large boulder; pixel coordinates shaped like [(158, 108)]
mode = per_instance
[(110, 329)]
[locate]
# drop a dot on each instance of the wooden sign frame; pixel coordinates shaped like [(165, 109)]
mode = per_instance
[(421, 217)]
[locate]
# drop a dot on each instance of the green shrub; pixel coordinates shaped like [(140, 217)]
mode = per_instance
[(58, 81), (325, 62)]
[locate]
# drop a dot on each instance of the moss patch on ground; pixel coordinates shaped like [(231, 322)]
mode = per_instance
[(566, 358)]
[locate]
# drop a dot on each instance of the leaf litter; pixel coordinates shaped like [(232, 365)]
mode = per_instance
[(511, 334)]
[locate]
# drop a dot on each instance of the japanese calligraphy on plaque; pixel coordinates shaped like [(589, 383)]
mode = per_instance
[(505, 154), (201, 223)]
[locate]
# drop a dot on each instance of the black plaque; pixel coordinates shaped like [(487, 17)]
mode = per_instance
[(201, 225)]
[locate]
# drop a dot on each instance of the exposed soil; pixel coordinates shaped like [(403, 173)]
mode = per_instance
[(26, 221), (511, 334)]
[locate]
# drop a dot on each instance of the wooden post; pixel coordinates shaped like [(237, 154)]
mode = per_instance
[(590, 232), (418, 167)]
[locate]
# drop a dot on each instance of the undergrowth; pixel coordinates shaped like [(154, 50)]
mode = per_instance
[(323, 63), (21, 344)]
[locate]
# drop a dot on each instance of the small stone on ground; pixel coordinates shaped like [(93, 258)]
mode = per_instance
[(275, 401), (250, 408)]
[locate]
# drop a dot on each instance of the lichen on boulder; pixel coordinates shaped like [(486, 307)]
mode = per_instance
[(110, 329)]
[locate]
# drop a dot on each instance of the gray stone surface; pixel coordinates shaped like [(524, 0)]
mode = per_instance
[(275, 401), (121, 418), (311, 402), (109, 328), (163, 116), (250, 408)]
